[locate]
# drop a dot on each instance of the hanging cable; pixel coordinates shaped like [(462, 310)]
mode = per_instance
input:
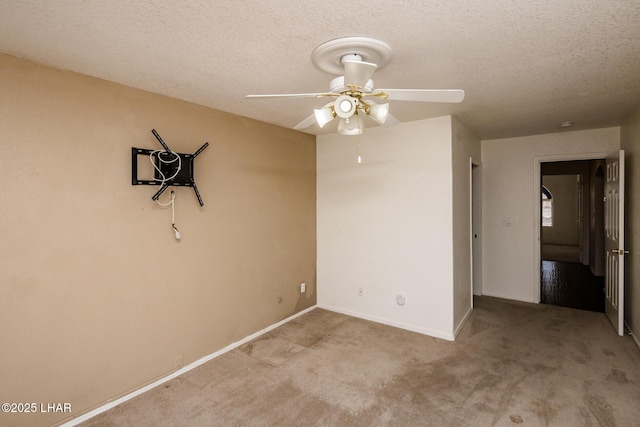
[(173, 216), (157, 154), (172, 203)]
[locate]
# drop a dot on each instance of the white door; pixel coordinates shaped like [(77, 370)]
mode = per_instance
[(614, 241)]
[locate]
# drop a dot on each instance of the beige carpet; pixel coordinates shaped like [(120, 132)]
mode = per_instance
[(512, 364)]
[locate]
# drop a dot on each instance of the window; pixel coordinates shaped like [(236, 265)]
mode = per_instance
[(547, 207)]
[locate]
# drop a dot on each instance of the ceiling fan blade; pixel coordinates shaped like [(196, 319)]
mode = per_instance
[(306, 122), (421, 95), (357, 73), (291, 95)]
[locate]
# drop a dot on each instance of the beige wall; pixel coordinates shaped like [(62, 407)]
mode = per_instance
[(97, 297), (630, 143)]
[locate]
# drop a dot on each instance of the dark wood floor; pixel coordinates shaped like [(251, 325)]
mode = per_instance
[(569, 284)]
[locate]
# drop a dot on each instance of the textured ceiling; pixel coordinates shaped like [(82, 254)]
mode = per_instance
[(525, 66)]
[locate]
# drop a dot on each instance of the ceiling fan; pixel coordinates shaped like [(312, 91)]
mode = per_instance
[(355, 59)]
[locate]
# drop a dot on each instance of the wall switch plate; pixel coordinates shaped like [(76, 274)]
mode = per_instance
[(303, 287)]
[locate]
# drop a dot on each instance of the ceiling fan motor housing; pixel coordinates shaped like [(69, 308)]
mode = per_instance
[(337, 86)]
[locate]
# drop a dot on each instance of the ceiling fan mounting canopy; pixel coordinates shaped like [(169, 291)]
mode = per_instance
[(329, 55), (354, 60)]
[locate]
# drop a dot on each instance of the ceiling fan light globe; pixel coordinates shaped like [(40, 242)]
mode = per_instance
[(379, 112), (345, 106), (323, 115), (353, 125)]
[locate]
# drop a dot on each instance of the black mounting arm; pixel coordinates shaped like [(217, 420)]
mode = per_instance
[(180, 175)]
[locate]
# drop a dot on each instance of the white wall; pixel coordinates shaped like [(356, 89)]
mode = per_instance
[(630, 143), (465, 146), (386, 225), (509, 220)]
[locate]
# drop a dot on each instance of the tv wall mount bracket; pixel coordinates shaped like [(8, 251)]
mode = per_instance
[(179, 173)]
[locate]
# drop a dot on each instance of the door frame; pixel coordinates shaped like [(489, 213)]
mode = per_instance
[(476, 228), (537, 207)]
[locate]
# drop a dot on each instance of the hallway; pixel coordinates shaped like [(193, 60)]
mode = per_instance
[(569, 284)]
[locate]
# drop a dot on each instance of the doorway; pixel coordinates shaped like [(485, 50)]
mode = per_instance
[(572, 234)]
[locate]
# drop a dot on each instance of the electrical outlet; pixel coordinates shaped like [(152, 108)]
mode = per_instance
[(178, 363), (401, 299), (303, 287), (360, 292)]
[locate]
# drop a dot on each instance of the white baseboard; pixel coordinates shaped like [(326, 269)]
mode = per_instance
[(187, 368), (408, 327)]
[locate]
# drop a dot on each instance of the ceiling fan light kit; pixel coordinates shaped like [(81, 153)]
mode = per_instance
[(346, 106), (353, 125), (378, 112), (355, 59), (324, 115)]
